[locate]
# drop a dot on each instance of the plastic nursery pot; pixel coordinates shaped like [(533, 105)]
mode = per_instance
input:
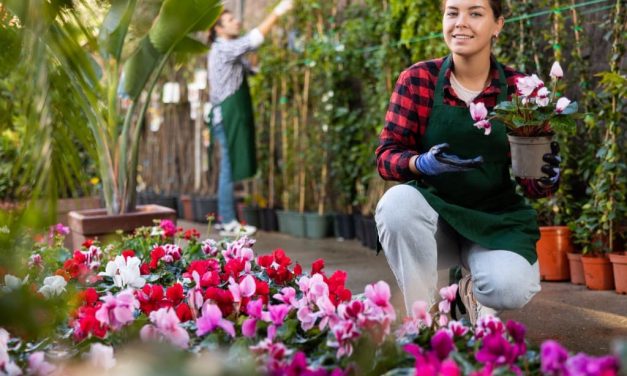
[(619, 265), (576, 269), (598, 272), (527, 153), (552, 249)]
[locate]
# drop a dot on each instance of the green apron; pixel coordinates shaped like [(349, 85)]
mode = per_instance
[(239, 126), (481, 205)]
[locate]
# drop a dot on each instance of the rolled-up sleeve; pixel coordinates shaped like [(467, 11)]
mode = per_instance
[(399, 139), (234, 49)]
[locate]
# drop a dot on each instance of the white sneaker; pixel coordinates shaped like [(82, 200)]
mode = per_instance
[(234, 229)]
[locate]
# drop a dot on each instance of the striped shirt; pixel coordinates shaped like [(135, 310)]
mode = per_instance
[(227, 66)]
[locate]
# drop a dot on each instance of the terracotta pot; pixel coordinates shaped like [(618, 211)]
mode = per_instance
[(598, 272), (619, 264), (576, 269), (66, 205), (188, 208), (552, 248), (89, 224)]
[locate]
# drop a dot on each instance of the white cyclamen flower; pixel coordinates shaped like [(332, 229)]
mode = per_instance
[(556, 70), (12, 282), (53, 286), (125, 272), (101, 356)]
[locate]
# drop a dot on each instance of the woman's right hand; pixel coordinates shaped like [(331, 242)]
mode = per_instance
[(436, 161)]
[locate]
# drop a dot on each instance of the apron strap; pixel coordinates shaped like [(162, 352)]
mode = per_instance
[(439, 93), (438, 98), (503, 84)]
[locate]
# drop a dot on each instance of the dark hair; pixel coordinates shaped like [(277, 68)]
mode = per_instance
[(496, 5), (212, 32)]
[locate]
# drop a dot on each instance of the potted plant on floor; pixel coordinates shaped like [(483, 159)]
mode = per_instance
[(603, 216), (102, 60)]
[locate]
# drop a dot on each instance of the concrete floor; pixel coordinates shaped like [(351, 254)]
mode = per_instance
[(580, 319)]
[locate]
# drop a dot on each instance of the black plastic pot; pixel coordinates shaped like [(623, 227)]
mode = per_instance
[(359, 226), (251, 215), (268, 219), (344, 226), (370, 232)]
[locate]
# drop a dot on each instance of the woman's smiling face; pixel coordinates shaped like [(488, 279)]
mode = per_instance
[(469, 25)]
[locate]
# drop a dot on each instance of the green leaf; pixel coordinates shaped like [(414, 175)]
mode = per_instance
[(191, 46), (570, 109), (115, 27), (139, 67), (179, 18)]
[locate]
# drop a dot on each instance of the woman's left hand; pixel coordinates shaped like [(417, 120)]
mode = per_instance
[(552, 168)]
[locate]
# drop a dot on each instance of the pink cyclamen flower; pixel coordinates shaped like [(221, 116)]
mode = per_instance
[(542, 99), (211, 319), (4, 347), (561, 104), (59, 229), (556, 70), (529, 85), (457, 328), (246, 288), (478, 111), (254, 308), (420, 312), (276, 314), (165, 326), (379, 294), (101, 356), (448, 294), (118, 310), (552, 358), (485, 125), (37, 364)]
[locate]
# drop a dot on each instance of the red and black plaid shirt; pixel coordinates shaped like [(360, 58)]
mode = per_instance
[(409, 110)]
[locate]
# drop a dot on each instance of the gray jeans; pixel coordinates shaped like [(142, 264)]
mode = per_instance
[(417, 244)]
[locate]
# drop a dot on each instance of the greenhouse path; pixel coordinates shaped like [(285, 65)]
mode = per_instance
[(580, 319)]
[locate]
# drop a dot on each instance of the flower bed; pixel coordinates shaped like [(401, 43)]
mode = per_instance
[(163, 285)]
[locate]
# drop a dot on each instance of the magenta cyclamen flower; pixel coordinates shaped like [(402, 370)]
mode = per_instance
[(211, 319), (517, 332), (118, 310), (165, 326), (442, 344), (496, 350), (552, 358), (582, 364)]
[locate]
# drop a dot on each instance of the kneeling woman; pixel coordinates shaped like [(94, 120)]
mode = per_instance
[(459, 204)]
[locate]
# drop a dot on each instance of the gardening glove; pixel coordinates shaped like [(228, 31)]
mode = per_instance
[(552, 168), (283, 7), (436, 161)]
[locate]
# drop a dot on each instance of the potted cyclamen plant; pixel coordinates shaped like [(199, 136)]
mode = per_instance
[(531, 117)]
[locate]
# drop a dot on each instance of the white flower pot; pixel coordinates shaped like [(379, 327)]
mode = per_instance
[(527, 153)]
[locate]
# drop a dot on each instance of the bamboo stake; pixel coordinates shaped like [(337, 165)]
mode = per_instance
[(284, 142), (304, 113), (273, 109)]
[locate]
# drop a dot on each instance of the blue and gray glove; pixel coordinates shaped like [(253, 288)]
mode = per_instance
[(436, 161)]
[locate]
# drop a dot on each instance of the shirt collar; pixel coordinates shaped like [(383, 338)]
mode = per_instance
[(492, 89)]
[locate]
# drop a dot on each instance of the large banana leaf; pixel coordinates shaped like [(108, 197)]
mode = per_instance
[(114, 28), (176, 20)]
